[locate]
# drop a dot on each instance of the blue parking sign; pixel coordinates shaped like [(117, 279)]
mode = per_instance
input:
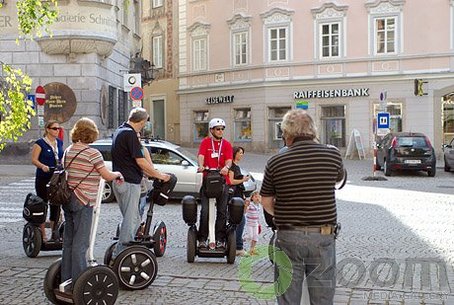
[(383, 120), (31, 97)]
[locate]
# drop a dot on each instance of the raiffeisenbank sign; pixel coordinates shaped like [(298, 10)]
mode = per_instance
[(73, 15)]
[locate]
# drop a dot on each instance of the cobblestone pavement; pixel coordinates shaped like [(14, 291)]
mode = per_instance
[(396, 246)]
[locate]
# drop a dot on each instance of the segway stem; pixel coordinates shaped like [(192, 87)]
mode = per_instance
[(94, 224), (146, 231)]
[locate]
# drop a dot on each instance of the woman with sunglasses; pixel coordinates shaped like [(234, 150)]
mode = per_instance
[(47, 152)]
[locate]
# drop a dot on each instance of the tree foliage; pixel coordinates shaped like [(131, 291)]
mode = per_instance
[(15, 110)]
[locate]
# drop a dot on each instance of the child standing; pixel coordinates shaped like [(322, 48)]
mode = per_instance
[(252, 220)]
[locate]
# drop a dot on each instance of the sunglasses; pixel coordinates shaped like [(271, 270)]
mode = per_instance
[(219, 128), (54, 128)]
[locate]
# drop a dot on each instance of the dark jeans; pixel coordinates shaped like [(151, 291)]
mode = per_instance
[(41, 191), (221, 215), (76, 238), (239, 234), (312, 256)]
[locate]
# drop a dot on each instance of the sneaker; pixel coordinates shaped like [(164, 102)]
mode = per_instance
[(220, 244), (241, 252), (202, 244)]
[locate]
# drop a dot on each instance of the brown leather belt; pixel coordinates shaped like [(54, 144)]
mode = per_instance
[(324, 229)]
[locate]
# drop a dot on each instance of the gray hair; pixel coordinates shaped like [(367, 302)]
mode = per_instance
[(137, 115), (298, 123)]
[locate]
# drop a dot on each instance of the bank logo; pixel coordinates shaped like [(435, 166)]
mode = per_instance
[(260, 290)]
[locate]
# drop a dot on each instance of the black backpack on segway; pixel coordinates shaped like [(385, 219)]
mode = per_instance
[(35, 213)]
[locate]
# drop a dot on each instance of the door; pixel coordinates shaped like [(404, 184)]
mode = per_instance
[(159, 125)]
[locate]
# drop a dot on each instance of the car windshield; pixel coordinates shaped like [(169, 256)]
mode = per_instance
[(412, 142), (187, 154)]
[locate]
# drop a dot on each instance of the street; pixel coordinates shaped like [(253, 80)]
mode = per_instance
[(396, 246)]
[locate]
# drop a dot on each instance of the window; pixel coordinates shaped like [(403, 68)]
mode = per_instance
[(333, 125), (395, 116), (200, 54), (242, 124), (157, 51), (240, 48), (385, 35), (330, 39), (275, 115), (278, 44), (157, 3), (200, 125)]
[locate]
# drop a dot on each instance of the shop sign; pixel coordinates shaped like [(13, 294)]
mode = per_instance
[(219, 99), (333, 93)]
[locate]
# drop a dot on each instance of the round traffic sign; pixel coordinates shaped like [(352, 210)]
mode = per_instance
[(40, 95), (136, 93)]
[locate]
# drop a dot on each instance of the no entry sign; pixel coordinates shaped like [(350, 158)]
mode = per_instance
[(136, 93), (40, 95)]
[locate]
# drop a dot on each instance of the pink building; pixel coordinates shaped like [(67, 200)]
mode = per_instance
[(249, 61)]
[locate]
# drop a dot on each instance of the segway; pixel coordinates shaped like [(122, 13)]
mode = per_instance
[(136, 266), (35, 212), (214, 184), (98, 284)]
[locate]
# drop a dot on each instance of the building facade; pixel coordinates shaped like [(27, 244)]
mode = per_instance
[(160, 46), (81, 66), (343, 61)]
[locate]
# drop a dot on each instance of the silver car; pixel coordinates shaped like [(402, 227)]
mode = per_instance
[(448, 155), (169, 158)]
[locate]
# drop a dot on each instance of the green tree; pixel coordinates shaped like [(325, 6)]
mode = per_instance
[(16, 112)]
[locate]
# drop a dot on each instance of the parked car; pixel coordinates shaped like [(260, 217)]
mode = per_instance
[(406, 151), (170, 158), (448, 155)]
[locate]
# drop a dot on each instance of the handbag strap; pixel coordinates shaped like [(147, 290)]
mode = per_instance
[(70, 162)]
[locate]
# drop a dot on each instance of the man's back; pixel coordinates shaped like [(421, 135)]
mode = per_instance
[(302, 180)]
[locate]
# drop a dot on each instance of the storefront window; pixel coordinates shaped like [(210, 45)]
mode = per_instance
[(275, 115), (200, 125), (395, 116), (333, 125), (242, 124), (448, 118)]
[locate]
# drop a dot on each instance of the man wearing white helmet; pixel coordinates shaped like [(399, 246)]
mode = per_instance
[(215, 152)]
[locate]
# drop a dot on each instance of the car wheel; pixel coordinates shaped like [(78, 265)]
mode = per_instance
[(108, 195), (431, 172), (387, 169), (447, 167)]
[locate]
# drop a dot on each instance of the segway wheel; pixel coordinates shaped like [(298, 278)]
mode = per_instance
[(109, 253), (191, 245), (96, 285), (51, 281), (160, 238), (32, 240), (231, 246), (136, 267)]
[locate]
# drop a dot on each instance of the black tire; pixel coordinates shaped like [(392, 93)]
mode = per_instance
[(447, 167), (160, 238), (52, 280), (271, 247), (136, 268), (108, 195), (109, 253), (386, 169), (231, 246), (32, 240), (96, 285), (431, 172), (191, 245)]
